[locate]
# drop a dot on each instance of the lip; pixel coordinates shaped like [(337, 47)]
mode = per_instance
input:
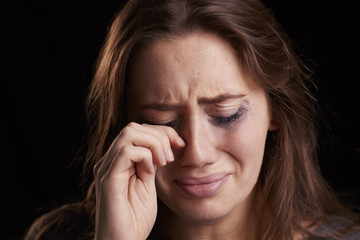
[(203, 187)]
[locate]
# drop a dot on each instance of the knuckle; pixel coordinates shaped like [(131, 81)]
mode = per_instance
[(124, 131), (147, 153), (128, 130), (132, 125), (171, 131), (165, 138), (164, 134), (167, 131), (125, 151)]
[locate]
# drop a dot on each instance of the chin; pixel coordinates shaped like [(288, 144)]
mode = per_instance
[(205, 205)]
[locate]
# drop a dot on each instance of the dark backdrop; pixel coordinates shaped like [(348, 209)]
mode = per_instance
[(48, 51)]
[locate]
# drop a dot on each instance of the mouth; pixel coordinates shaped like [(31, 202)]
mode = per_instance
[(203, 187)]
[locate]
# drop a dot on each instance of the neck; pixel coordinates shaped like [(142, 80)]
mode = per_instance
[(239, 224)]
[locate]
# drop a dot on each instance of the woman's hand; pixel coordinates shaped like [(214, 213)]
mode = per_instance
[(126, 203)]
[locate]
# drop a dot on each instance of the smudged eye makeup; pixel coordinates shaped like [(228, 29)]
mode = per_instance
[(227, 120), (174, 124), (217, 120)]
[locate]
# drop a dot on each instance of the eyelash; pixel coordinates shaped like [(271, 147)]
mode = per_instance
[(224, 121), (220, 121), (168, 124)]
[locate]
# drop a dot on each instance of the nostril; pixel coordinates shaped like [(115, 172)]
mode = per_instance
[(193, 155)]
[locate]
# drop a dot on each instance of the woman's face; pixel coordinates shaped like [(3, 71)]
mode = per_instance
[(196, 85)]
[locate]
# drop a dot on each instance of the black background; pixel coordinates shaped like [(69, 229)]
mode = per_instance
[(48, 51)]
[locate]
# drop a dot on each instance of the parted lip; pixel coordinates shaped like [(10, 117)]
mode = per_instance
[(202, 180)]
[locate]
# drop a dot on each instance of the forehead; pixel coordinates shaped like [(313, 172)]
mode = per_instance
[(197, 65)]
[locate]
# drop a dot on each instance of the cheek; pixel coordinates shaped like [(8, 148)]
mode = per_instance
[(162, 179), (246, 143), (164, 186)]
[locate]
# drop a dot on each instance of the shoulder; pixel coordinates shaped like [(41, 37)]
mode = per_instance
[(70, 221)]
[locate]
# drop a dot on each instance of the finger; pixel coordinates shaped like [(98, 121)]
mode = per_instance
[(160, 143), (158, 139), (150, 137), (174, 138), (167, 137), (131, 162), (128, 136)]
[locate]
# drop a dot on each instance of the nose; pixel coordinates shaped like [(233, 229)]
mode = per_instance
[(200, 148)]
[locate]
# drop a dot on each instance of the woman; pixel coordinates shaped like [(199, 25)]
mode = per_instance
[(204, 129)]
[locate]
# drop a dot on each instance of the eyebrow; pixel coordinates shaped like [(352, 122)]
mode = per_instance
[(160, 106), (203, 100), (219, 98)]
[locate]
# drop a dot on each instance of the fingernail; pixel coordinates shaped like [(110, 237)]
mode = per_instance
[(181, 141), (170, 155), (163, 160)]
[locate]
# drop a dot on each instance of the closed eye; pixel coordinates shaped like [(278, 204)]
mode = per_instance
[(174, 124), (227, 120)]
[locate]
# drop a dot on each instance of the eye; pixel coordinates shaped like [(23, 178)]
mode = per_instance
[(173, 124), (227, 120)]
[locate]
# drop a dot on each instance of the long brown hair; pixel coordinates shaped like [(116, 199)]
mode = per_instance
[(292, 187)]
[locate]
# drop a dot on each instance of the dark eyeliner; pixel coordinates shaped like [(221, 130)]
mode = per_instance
[(223, 121), (172, 124)]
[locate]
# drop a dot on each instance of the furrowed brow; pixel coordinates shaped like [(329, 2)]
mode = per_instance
[(160, 106), (203, 100), (219, 98)]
